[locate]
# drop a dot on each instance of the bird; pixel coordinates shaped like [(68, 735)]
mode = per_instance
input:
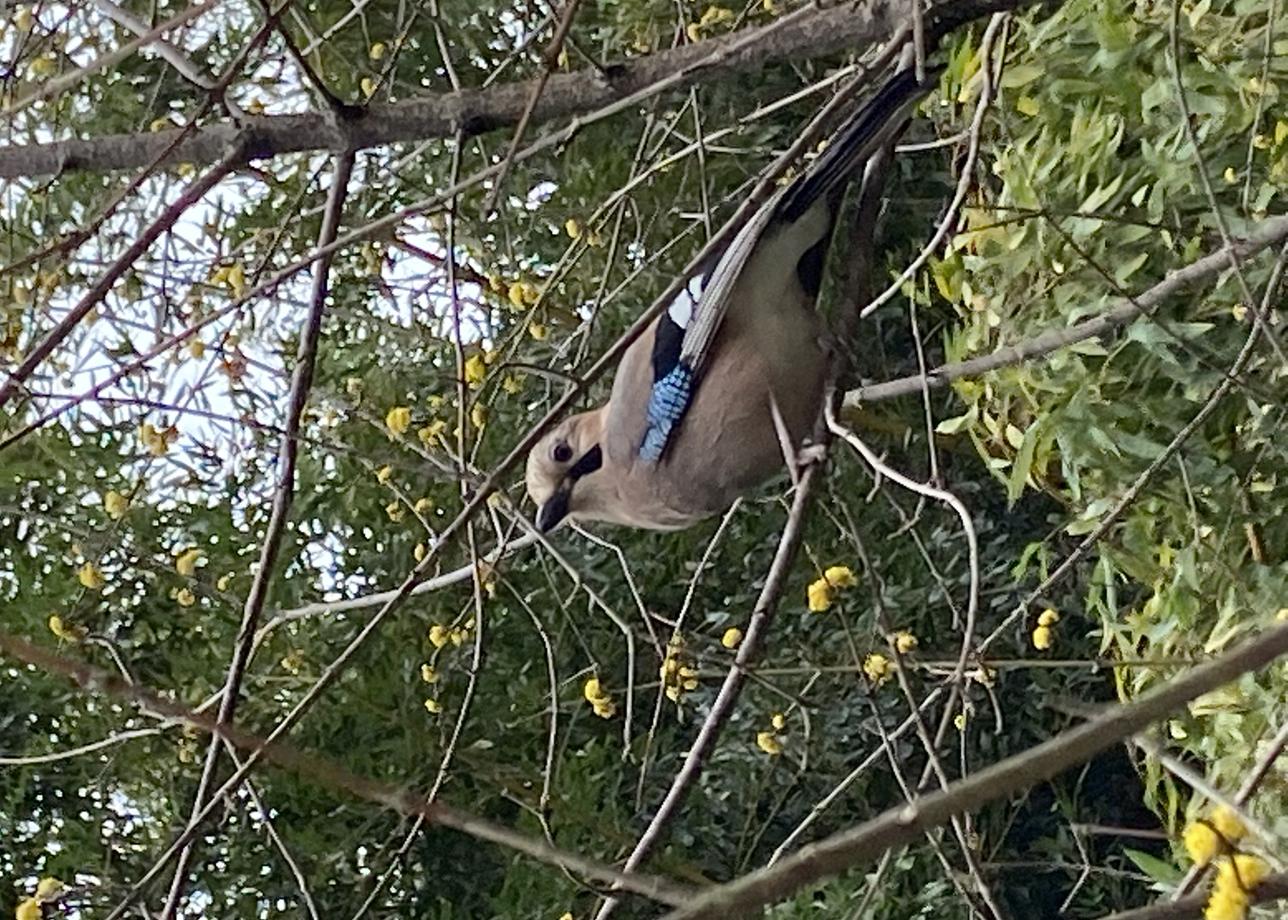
[(722, 390)]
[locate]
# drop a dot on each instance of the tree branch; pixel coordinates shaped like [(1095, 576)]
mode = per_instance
[(1270, 233), (301, 385), (809, 33), (904, 825), (331, 775)]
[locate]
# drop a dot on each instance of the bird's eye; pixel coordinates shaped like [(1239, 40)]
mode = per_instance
[(562, 453)]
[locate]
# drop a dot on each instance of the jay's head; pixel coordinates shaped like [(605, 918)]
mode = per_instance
[(561, 469)]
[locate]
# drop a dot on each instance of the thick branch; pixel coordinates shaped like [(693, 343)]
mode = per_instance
[(904, 825), (475, 111)]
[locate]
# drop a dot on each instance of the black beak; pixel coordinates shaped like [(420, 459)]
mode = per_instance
[(555, 509)]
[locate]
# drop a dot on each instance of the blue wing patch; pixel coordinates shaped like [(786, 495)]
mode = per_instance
[(667, 403)]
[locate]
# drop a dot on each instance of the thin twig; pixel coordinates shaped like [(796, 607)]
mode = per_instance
[(62, 84), (722, 707), (550, 60), (55, 756)]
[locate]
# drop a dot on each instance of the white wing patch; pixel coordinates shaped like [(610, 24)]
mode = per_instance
[(681, 309)]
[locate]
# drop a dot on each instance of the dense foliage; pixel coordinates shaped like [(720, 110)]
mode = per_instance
[(136, 518)]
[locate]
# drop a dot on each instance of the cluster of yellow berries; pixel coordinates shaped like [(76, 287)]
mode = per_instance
[(440, 635), (599, 699), (1237, 874), (677, 677), (822, 591), (66, 631), (157, 440), (48, 890), (1044, 632), (185, 563), (293, 661), (232, 277), (398, 420), (576, 231), (770, 741), (115, 504), (91, 577), (429, 676), (522, 296), (877, 668), (712, 16)]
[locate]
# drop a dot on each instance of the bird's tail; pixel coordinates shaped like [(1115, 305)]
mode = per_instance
[(879, 119)]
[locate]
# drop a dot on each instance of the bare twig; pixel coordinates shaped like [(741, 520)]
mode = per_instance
[(270, 827), (62, 84), (722, 708), (550, 61), (169, 52), (55, 756), (947, 222)]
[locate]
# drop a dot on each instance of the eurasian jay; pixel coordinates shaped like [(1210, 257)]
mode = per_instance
[(706, 400)]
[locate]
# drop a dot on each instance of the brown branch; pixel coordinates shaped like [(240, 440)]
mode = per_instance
[(1270, 233), (288, 451), (762, 618), (331, 775), (807, 33), (904, 825)]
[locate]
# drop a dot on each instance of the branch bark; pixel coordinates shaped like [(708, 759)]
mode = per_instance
[(807, 34)]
